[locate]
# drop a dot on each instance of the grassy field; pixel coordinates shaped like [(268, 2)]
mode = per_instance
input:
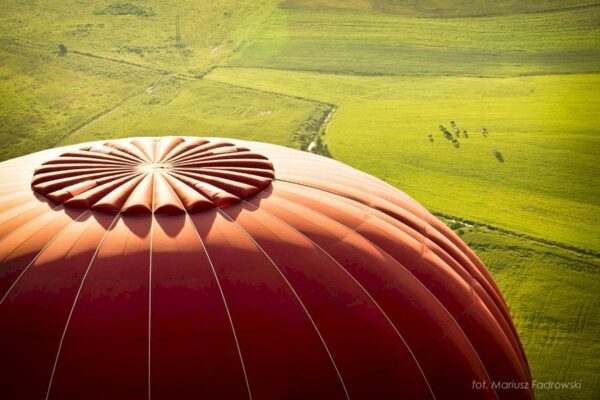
[(39, 106), (381, 44), (139, 32), (373, 78), (553, 297), (543, 126), (439, 8), (207, 108)]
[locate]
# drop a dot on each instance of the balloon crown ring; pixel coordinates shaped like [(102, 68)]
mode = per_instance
[(154, 175)]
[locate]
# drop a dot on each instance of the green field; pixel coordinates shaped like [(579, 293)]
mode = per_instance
[(372, 78), (348, 42), (553, 297), (198, 107), (381, 125)]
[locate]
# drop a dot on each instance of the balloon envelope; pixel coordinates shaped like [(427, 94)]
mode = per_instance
[(183, 267)]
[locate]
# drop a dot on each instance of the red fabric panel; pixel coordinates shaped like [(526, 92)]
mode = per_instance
[(372, 359), (193, 349), (38, 307), (280, 347), (106, 341)]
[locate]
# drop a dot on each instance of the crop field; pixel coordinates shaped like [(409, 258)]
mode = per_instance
[(381, 126), (376, 44), (553, 297), (38, 106), (199, 108), (374, 80), (139, 32)]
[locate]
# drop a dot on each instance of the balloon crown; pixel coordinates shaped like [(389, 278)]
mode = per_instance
[(154, 175)]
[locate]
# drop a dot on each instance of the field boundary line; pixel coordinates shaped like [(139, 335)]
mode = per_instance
[(99, 115), (81, 53), (117, 61), (496, 228), (499, 14), (407, 75), (289, 96)]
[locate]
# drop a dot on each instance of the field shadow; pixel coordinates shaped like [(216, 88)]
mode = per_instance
[(498, 156)]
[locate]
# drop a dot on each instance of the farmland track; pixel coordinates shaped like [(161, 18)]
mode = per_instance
[(547, 300), (52, 49), (117, 61), (404, 75), (539, 336), (582, 316), (102, 114), (279, 94), (546, 11), (94, 118)]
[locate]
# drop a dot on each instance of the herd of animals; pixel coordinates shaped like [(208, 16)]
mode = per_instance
[(457, 134)]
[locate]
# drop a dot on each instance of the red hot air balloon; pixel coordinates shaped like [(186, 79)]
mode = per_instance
[(183, 267)]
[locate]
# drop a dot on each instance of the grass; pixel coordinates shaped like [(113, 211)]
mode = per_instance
[(205, 108), (38, 105), (376, 44), (375, 77), (552, 294), (543, 126), (438, 8), (139, 32)]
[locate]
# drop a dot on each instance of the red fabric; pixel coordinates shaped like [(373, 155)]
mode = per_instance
[(217, 268)]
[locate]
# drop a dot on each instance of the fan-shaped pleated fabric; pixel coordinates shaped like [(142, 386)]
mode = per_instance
[(322, 283)]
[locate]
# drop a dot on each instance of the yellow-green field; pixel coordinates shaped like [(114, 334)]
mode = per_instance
[(373, 79), (348, 42), (553, 297), (542, 125)]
